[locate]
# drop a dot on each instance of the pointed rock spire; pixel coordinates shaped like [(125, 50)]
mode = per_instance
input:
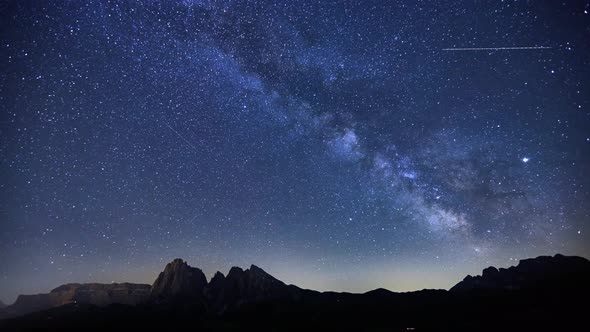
[(179, 280)]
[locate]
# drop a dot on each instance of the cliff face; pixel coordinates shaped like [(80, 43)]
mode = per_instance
[(178, 280), (105, 294), (96, 294)]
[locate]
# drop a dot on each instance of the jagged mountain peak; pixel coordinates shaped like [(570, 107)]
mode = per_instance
[(177, 263), (179, 280), (258, 271), (255, 268), (234, 272), (218, 275)]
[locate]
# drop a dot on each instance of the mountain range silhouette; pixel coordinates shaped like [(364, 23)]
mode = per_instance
[(543, 293)]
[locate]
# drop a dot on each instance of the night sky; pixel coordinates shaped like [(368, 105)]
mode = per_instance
[(334, 144)]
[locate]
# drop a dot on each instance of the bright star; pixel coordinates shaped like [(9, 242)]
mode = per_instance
[(525, 160)]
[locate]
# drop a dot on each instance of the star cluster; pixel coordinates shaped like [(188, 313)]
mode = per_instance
[(336, 144)]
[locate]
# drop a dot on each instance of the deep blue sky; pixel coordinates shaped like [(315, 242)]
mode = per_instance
[(334, 144)]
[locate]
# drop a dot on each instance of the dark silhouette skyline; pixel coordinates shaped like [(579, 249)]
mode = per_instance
[(541, 293), (338, 144)]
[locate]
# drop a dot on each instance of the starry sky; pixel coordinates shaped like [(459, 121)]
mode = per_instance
[(336, 144)]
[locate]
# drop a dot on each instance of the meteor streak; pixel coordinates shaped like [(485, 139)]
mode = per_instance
[(497, 48), (182, 137)]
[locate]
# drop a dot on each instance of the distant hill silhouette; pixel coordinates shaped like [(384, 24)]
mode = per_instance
[(543, 293), (93, 293), (541, 272)]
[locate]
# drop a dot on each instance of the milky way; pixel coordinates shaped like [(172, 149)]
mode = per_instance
[(338, 144)]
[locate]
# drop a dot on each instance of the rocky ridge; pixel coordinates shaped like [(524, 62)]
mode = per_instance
[(182, 284), (529, 274)]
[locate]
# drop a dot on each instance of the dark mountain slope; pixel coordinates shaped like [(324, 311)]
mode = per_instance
[(555, 272)]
